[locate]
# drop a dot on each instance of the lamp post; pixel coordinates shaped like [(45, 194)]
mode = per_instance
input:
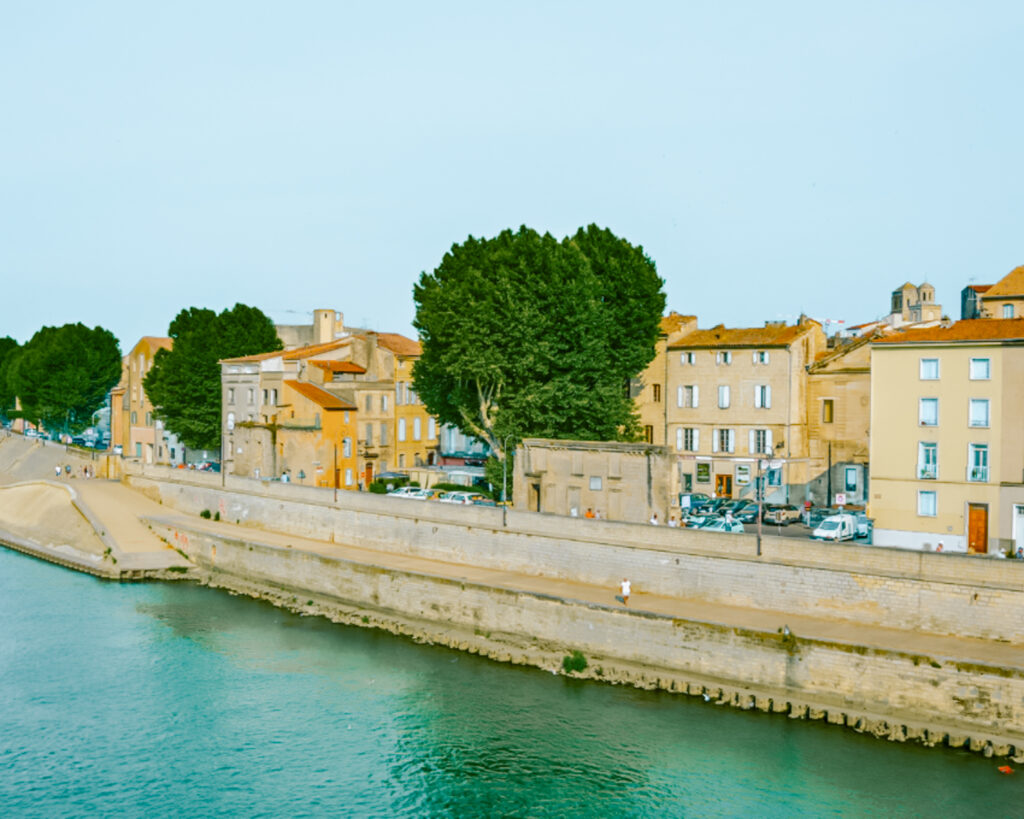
[(504, 480)]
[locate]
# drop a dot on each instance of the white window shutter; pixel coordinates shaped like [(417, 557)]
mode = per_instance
[(696, 395), (768, 441), (679, 397), (757, 396), (767, 356), (679, 438), (714, 440), (768, 397), (696, 440), (755, 356), (732, 440), (753, 445)]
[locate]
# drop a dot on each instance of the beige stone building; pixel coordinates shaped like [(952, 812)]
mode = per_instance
[(839, 422), (742, 392), (1005, 298), (618, 481), (947, 442), (650, 387), (327, 326), (912, 304)]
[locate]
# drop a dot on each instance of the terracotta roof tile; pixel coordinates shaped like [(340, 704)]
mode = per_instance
[(1012, 284), (674, 322), (292, 355), (339, 366), (965, 330), (780, 335), (319, 396), (980, 288), (399, 344)]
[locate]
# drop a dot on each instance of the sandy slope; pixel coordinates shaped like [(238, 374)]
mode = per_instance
[(44, 514)]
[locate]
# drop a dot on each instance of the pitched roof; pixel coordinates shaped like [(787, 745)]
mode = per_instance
[(399, 344), (965, 330), (292, 355), (980, 288), (1012, 284), (339, 366), (319, 396), (674, 322), (157, 342), (775, 335)]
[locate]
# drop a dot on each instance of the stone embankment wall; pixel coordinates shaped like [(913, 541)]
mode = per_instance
[(950, 594), (893, 694)]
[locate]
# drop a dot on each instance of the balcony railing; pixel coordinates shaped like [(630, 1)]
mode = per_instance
[(978, 473), (928, 473)]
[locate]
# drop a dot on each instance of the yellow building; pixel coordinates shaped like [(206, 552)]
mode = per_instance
[(1004, 299), (742, 394), (649, 388), (947, 442), (134, 426), (371, 372)]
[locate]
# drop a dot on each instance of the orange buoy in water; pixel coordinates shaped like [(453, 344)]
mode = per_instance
[(1005, 769)]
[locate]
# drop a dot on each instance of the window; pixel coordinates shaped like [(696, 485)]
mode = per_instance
[(595, 484), (401, 461), (431, 429), (688, 396), (369, 403), (774, 477), (410, 395), (828, 411), (926, 504), (149, 419), (135, 417), (398, 393), (723, 396), (724, 357), (401, 429), (369, 434), (656, 391), (649, 434), (724, 440), (851, 479), (417, 430), (346, 416), (231, 395), (691, 439), (927, 461), (383, 403), (762, 396), (231, 421), (348, 477), (981, 369), (761, 357), (687, 358), (138, 450), (273, 396), (760, 441), (978, 416), (383, 436), (264, 396), (929, 369), (252, 395), (346, 448), (928, 412), (1007, 311), (977, 462)]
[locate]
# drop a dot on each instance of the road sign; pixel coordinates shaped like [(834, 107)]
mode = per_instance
[(841, 499)]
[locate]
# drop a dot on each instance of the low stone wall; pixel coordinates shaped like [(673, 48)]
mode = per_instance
[(939, 593), (893, 694)]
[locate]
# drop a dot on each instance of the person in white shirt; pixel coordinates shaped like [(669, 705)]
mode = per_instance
[(624, 586), (654, 519)]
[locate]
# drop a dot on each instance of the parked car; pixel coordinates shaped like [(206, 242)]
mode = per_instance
[(782, 514), (836, 528), (748, 514), (702, 521), (464, 498), (723, 525), (405, 492), (864, 524), (693, 502)]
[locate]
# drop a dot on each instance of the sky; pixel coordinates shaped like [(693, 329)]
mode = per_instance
[(771, 158)]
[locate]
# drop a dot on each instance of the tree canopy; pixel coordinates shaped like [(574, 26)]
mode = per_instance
[(525, 335), (184, 382), (8, 348), (63, 374)]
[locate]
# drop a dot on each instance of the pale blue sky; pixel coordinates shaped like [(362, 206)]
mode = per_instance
[(770, 157)]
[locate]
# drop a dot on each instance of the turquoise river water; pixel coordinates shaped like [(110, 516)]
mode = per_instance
[(168, 699)]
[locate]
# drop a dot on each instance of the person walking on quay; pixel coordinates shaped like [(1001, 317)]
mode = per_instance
[(654, 519), (624, 586), (59, 470)]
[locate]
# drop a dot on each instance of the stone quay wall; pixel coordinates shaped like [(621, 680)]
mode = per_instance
[(896, 695), (948, 594)]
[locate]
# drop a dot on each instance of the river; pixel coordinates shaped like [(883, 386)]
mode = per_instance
[(163, 699)]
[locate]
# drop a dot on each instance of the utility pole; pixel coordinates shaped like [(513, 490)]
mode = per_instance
[(335, 471)]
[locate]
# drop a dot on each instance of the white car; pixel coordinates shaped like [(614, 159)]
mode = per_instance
[(465, 498), (836, 528), (406, 492)]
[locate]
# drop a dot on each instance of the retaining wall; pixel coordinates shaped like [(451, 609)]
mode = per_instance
[(962, 595)]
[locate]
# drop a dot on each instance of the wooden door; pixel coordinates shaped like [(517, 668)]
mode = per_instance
[(977, 528), (723, 486)]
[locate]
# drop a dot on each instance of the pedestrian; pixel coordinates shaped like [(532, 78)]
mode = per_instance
[(58, 470), (673, 523), (589, 513), (67, 470), (939, 547), (654, 519), (625, 588), (597, 514)]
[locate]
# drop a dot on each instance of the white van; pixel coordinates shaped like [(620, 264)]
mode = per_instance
[(836, 527)]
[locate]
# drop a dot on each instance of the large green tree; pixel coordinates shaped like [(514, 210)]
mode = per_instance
[(63, 374), (525, 335), (8, 350), (184, 382)]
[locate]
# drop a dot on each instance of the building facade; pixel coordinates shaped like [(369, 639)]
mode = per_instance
[(947, 442), (134, 425)]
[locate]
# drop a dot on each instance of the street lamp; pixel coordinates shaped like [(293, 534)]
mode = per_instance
[(504, 480)]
